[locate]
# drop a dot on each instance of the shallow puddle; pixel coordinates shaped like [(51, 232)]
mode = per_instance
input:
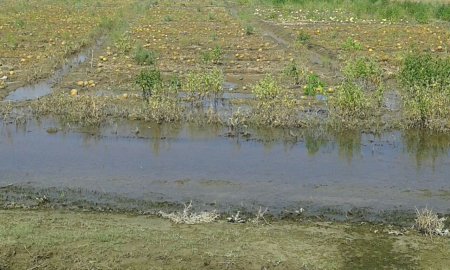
[(179, 163)]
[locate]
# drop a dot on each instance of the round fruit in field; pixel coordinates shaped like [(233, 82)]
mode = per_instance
[(74, 92)]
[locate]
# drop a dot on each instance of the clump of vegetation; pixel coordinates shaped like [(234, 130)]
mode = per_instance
[(144, 57), (204, 84), (352, 45), (5, 109), (275, 107), (313, 85), (189, 217), (213, 56), (292, 72), (123, 44), (426, 92), (80, 110), (149, 80), (163, 109), (303, 38), (364, 70), (352, 106), (429, 223), (267, 89), (425, 70), (249, 30)]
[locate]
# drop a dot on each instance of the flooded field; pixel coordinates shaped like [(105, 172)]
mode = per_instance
[(310, 134), (178, 163)]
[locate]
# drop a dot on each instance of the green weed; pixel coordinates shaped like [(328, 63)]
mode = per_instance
[(292, 72), (365, 70), (303, 38), (149, 80), (313, 85), (352, 45), (267, 89), (144, 57), (213, 56)]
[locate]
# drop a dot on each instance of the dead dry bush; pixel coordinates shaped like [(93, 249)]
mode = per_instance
[(429, 223), (189, 217)]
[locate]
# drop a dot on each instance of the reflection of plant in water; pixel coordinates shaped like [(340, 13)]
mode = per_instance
[(314, 143), (349, 144), (426, 146)]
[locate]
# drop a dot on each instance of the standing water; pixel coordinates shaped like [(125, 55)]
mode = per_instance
[(179, 163)]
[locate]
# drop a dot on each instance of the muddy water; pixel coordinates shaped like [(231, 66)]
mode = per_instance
[(43, 88), (179, 163)]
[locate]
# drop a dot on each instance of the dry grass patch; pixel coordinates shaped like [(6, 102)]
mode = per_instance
[(189, 217), (429, 223)]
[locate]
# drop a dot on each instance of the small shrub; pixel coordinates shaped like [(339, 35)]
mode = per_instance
[(281, 111), (149, 80), (144, 57)]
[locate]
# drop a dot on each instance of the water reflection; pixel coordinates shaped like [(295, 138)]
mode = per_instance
[(426, 147)]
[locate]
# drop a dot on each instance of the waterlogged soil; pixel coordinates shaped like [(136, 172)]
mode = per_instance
[(76, 240), (338, 176)]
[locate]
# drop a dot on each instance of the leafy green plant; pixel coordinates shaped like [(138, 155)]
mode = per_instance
[(425, 70), (149, 80), (313, 85), (213, 56), (249, 30), (303, 38), (123, 44), (364, 69), (352, 45), (204, 84), (266, 89), (144, 57), (292, 71)]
